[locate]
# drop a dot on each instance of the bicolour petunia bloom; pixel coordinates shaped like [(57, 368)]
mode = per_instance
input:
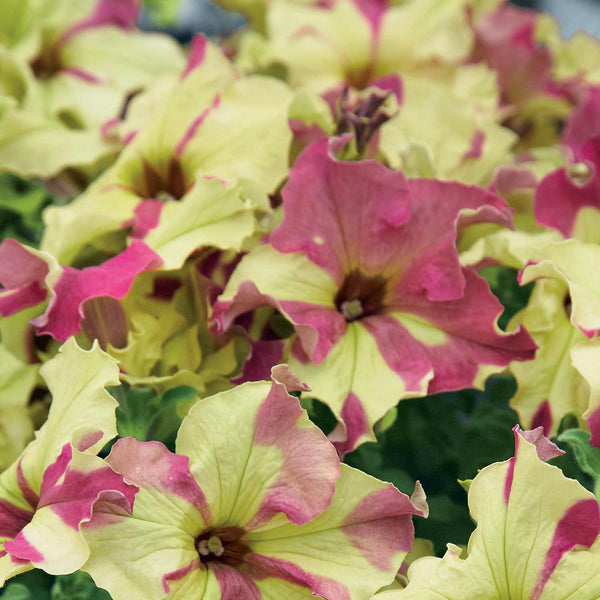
[(50, 490), (203, 153), (444, 129), (344, 110), (568, 199), (536, 536), (31, 277), (365, 267), (254, 505), (535, 101), (350, 41), (563, 311), (449, 129), (60, 83)]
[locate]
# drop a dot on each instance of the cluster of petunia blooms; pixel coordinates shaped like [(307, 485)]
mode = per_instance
[(300, 213)]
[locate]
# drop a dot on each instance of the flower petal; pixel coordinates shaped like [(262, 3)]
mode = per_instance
[(112, 278), (349, 551), (211, 214), (565, 204), (548, 386), (342, 194), (271, 459), (71, 486), (574, 263), (82, 412)]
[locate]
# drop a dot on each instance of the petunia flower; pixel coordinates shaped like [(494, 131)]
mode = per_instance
[(364, 266), (449, 129), (446, 129), (534, 101), (254, 505), (49, 491), (536, 537), (324, 44), (203, 154), (61, 83), (30, 277)]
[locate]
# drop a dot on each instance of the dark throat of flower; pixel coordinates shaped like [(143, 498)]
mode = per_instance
[(360, 296), (168, 185), (224, 545), (47, 62)]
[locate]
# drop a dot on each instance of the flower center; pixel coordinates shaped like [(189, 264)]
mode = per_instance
[(170, 185), (360, 296), (46, 63), (568, 305), (363, 114), (212, 545), (222, 544)]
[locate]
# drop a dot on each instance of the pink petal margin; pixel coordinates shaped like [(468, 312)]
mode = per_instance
[(546, 450), (116, 13), (72, 494), (113, 278), (22, 277)]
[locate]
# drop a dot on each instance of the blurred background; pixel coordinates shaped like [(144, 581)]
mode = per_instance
[(572, 14), (194, 16)]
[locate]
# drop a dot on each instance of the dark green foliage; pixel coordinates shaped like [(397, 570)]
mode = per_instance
[(77, 586), (320, 414), (33, 585), (21, 205), (37, 585), (583, 455), (505, 286), (146, 416), (439, 440)]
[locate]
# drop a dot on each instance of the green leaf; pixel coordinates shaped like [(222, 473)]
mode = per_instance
[(21, 206), (178, 395), (32, 585), (320, 414), (505, 286), (136, 409), (586, 455), (145, 416), (166, 421), (77, 586), (17, 591)]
